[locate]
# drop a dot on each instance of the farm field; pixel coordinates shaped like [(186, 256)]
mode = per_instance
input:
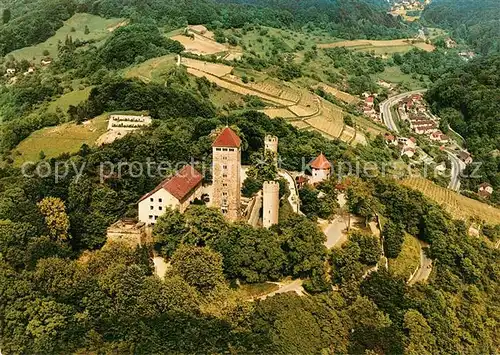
[(310, 112), (278, 112), (341, 95), (200, 45), (64, 138), (368, 45), (100, 28), (368, 126), (348, 134), (200, 41), (71, 98), (460, 207), (234, 87), (408, 259), (216, 69), (326, 125)]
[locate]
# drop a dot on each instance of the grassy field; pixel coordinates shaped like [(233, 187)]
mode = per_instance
[(54, 141), (460, 207), (99, 27), (408, 259), (152, 69), (369, 126), (71, 98), (395, 75)]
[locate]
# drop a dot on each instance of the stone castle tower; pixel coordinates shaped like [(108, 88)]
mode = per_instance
[(226, 171), (271, 146), (271, 203)]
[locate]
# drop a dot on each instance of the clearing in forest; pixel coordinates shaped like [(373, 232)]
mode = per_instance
[(64, 138), (71, 98), (408, 259), (152, 69), (460, 207), (100, 28)]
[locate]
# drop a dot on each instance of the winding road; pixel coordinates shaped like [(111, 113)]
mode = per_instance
[(385, 108)]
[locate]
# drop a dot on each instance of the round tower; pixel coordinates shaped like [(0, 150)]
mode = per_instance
[(271, 203)]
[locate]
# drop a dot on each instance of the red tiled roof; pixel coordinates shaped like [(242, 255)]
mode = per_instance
[(321, 163), (179, 185), (413, 139), (389, 137), (369, 99), (301, 179), (227, 138)]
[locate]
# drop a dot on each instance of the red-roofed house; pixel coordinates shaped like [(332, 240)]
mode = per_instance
[(390, 139), (176, 192), (320, 169)]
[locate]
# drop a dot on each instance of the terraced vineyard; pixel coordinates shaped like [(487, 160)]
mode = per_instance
[(344, 96), (302, 108), (395, 45), (460, 207)]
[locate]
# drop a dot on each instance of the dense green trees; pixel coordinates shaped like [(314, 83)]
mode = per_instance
[(135, 43), (477, 22), (468, 98)]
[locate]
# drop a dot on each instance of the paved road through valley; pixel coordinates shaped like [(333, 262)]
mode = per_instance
[(385, 108)]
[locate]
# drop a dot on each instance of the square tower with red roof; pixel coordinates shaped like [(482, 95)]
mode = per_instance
[(226, 172)]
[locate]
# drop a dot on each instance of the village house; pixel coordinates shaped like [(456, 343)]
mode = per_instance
[(485, 190), (177, 192), (10, 71), (390, 139), (320, 169), (301, 181), (408, 142), (426, 128), (408, 151), (439, 136), (465, 157)]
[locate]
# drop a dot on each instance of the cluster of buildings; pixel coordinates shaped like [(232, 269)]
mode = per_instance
[(409, 5), (369, 107), (224, 193), (408, 146), (414, 110)]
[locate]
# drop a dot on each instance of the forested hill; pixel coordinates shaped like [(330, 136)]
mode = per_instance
[(476, 21), (27, 23), (469, 99), (348, 18)]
